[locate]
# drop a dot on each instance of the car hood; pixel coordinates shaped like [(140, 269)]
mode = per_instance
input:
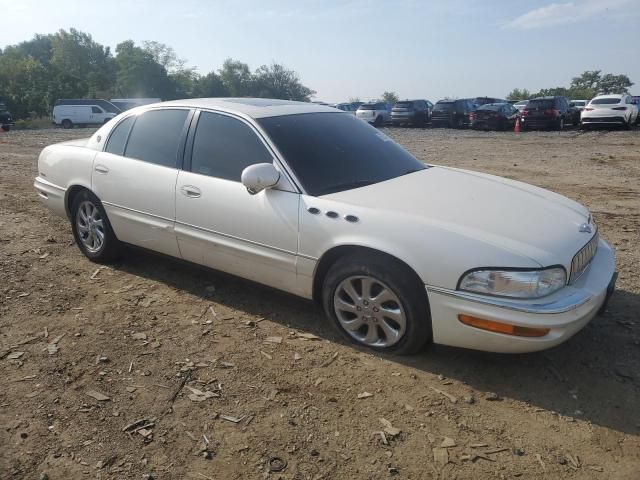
[(525, 220)]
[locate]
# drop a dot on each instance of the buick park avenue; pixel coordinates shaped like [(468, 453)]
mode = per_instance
[(314, 201)]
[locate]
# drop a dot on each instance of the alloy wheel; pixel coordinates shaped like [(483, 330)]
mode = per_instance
[(369, 311), (90, 226)]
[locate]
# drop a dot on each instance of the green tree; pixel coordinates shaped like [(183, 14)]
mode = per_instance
[(210, 85), (390, 97), (139, 75), (517, 94), (236, 78), (276, 81), (614, 84)]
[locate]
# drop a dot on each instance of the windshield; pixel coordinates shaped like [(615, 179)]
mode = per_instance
[(605, 101), (332, 152), (444, 106), (404, 105), (579, 103), (369, 106)]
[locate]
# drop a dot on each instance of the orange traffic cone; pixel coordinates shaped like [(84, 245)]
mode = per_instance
[(517, 126)]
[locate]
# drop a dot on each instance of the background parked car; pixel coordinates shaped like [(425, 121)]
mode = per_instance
[(69, 115), (412, 112), (494, 116), (104, 104), (377, 113), (610, 109), (548, 113), (452, 113), (579, 104), (6, 120), (521, 104), (345, 107)]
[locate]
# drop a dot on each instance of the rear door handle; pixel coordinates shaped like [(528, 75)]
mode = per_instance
[(101, 169), (190, 191)]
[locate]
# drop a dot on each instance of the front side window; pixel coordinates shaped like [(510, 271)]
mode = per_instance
[(224, 146), (96, 110), (331, 152), (118, 138), (155, 137)]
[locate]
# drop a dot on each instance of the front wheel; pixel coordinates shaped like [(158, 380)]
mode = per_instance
[(560, 125), (378, 303), (67, 124), (92, 230), (378, 121), (6, 128)]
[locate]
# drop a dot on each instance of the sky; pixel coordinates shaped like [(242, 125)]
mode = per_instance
[(360, 48)]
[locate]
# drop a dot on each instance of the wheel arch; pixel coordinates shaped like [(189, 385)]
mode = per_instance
[(335, 253), (71, 193)]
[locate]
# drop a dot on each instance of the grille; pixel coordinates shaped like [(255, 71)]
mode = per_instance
[(583, 258)]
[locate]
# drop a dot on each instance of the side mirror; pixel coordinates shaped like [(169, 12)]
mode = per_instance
[(259, 176)]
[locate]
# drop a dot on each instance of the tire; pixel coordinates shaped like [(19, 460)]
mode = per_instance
[(409, 320), (92, 230), (6, 128), (378, 121), (67, 124), (560, 125)]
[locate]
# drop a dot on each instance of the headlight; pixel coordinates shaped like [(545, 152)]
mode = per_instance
[(516, 284)]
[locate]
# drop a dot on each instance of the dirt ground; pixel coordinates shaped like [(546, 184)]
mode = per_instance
[(219, 378)]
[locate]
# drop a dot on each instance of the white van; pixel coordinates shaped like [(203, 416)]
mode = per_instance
[(81, 115)]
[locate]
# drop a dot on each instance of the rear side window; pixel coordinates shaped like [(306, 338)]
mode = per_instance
[(156, 136), (223, 147), (118, 138)]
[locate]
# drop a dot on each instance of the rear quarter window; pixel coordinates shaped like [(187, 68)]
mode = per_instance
[(118, 138), (156, 136)]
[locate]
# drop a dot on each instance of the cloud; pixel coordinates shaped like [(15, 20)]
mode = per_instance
[(565, 13)]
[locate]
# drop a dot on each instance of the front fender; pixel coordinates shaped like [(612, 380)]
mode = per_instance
[(438, 255)]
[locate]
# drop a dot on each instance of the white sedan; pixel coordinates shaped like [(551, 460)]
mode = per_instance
[(322, 205), (610, 109)]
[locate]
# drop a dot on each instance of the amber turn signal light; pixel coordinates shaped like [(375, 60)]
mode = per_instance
[(499, 327)]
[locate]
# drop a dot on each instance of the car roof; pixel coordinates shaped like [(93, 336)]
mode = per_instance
[(251, 107)]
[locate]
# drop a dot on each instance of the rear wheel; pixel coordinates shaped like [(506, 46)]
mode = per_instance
[(92, 230), (6, 128), (560, 124), (378, 121), (378, 303), (67, 124)]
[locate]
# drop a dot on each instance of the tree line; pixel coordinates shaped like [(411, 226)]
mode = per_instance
[(585, 86), (70, 64)]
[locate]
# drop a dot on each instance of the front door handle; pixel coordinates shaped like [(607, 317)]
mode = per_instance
[(190, 191), (101, 169)]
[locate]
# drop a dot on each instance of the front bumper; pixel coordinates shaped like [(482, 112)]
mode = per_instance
[(565, 312)]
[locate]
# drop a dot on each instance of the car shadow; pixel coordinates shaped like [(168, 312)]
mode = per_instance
[(594, 376)]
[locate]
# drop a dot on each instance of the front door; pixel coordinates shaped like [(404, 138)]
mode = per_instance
[(218, 223), (135, 178)]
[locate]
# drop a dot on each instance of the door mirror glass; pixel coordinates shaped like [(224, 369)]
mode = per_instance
[(259, 176)]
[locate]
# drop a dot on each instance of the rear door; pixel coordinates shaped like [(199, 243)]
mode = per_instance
[(221, 225), (135, 177)]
